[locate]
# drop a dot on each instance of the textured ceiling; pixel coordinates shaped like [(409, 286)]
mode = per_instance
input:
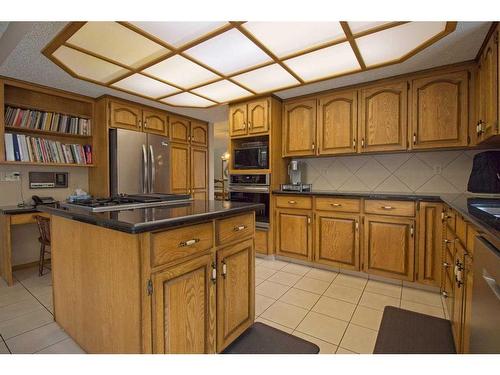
[(26, 62)]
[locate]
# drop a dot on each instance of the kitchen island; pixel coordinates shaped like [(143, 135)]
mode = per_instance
[(171, 279)]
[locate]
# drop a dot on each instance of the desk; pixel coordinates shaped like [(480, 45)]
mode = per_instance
[(10, 216)]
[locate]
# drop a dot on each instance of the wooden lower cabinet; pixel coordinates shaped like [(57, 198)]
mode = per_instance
[(199, 172), (294, 233), (456, 315), (180, 168), (337, 240), (184, 308), (430, 243), (235, 291), (262, 241), (389, 247)]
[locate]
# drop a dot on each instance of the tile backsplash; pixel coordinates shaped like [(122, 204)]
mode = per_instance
[(415, 172)]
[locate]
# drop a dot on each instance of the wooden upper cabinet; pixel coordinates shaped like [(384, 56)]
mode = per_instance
[(258, 116), (299, 128), (430, 241), (238, 120), (440, 110), (337, 240), (155, 122), (338, 123), (294, 232), (389, 247), (235, 291), (487, 91), (199, 171), (199, 133), (180, 176), (179, 129), (383, 117), (184, 308), (125, 116)]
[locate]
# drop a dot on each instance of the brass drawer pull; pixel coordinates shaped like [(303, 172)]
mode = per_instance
[(444, 294), (239, 228), (292, 202), (189, 242), (446, 264), (387, 208), (336, 205)]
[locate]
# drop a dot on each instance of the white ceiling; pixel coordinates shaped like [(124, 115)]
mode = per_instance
[(23, 60)]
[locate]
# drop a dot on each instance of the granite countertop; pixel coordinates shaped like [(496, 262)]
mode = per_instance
[(458, 202), (16, 210), (154, 218)]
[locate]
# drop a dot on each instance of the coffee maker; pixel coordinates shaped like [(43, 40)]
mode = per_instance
[(295, 178)]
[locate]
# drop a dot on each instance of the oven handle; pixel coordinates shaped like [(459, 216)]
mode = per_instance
[(249, 189)]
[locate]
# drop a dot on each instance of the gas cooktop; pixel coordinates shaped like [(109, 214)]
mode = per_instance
[(126, 202)]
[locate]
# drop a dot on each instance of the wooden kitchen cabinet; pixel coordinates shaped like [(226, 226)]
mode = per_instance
[(430, 243), (338, 123), (299, 128), (389, 247), (249, 118), (262, 241), (487, 92), (125, 116), (456, 316), (199, 134), (199, 172), (179, 129), (440, 110), (294, 233), (180, 175), (383, 117), (235, 291), (238, 120), (337, 240), (184, 310), (155, 122)]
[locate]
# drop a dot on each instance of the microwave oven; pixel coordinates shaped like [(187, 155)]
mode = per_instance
[(251, 155)]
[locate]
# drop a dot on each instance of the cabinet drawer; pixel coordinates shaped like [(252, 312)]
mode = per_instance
[(234, 228), (294, 202), (461, 229), (393, 208), (338, 204), (179, 243)]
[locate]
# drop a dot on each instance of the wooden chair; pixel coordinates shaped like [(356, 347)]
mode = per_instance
[(44, 229)]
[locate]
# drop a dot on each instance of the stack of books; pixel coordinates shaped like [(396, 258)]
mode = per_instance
[(20, 147), (47, 121)]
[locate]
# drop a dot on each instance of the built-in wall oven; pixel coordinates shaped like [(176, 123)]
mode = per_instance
[(251, 155), (252, 188)]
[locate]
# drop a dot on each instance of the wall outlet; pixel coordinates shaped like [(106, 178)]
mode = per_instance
[(438, 169), (10, 176)]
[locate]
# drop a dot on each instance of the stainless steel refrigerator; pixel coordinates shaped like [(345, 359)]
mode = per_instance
[(139, 162)]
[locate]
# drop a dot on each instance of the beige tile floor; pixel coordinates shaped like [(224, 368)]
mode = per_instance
[(340, 313)]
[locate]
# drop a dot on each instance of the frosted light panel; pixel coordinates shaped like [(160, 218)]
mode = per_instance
[(178, 33), (285, 38), (145, 86), (88, 66), (181, 72), (188, 100), (266, 79), (229, 52), (359, 27), (325, 62), (222, 91), (392, 44), (117, 43)]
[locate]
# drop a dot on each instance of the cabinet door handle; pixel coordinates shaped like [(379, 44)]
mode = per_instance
[(356, 225), (362, 143), (354, 143), (447, 241), (239, 228), (145, 124), (224, 268), (414, 138), (214, 273), (292, 202), (444, 294), (140, 124), (313, 146), (446, 264), (308, 220), (336, 205), (189, 242), (387, 208), (249, 124), (411, 231)]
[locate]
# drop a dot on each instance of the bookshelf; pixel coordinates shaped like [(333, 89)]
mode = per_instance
[(27, 96)]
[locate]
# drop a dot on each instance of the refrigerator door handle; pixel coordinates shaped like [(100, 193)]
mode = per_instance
[(144, 170), (153, 169)]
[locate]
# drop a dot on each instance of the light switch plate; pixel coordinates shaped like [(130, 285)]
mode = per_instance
[(11, 176)]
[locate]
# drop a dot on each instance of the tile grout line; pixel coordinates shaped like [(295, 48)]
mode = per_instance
[(48, 346), (5, 343)]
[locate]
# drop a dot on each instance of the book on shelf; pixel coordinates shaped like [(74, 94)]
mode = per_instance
[(46, 121), (25, 148)]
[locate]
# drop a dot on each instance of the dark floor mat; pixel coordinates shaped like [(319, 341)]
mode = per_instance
[(263, 339), (407, 332)]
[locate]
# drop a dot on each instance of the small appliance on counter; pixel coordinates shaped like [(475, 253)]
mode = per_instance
[(295, 177)]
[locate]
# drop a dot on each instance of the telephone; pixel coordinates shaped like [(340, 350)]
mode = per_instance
[(43, 200)]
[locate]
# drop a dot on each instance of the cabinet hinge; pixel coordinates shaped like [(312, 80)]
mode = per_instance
[(408, 85), (149, 287)]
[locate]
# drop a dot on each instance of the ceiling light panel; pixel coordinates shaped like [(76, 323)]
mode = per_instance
[(229, 52), (392, 44), (268, 78), (359, 27), (181, 72), (117, 43), (285, 38), (187, 99), (178, 34), (145, 86), (88, 66), (222, 91), (325, 62)]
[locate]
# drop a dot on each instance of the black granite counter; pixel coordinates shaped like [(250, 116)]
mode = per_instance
[(369, 195), (16, 210), (155, 218)]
